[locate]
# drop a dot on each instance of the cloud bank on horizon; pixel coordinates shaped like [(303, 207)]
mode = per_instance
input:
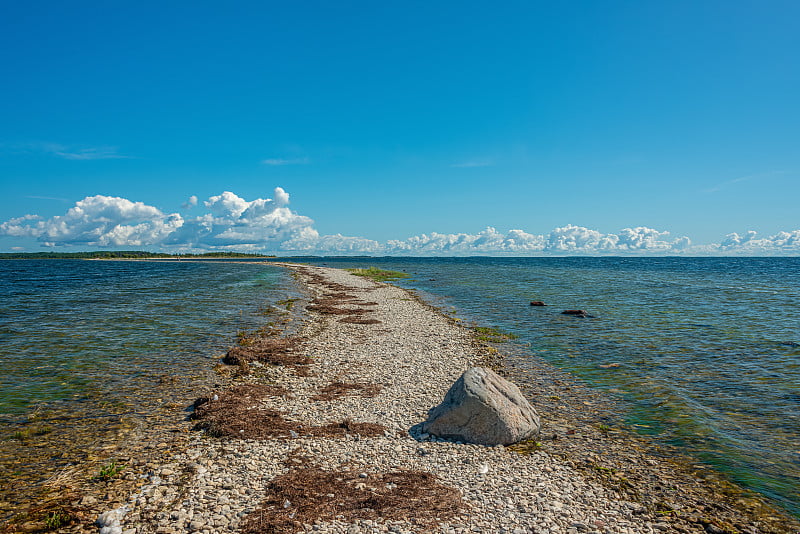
[(268, 225)]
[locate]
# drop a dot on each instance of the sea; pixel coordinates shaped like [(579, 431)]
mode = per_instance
[(702, 354)]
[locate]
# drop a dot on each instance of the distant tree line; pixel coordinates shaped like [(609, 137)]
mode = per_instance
[(120, 254)]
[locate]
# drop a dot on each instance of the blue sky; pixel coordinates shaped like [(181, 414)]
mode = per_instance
[(401, 127)]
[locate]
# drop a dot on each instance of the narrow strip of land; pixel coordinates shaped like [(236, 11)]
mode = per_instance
[(312, 434)]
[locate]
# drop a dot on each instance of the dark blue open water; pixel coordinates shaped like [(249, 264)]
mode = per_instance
[(708, 348)]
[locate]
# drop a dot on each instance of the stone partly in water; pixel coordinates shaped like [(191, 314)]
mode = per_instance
[(577, 313), (484, 408), (537, 303)]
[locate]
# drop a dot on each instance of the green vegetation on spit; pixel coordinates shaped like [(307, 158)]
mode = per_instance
[(526, 447), (27, 433), (288, 303), (110, 470), (120, 254), (379, 275), (492, 335), (57, 519)]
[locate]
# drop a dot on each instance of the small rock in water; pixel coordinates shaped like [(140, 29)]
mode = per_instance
[(88, 500), (537, 303), (109, 522), (577, 313)]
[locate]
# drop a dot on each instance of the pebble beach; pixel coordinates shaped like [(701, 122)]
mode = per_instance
[(344, 454)]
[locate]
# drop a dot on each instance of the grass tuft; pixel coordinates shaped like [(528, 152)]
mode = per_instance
[(379, 275), (287, 303), (27, 433), (110, 470), (492, 335), (529, 446), (56, 520)]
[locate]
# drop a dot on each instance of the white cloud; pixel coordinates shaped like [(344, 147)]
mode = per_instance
[(568, 239), (339, 244), (490, 240), (234, 221), (734, 240), (104, 221), (230, 222), (787, 240), (98, 221), (227, 204), (473, 163), (642, 238), (189, 204), (750, 244), (71, 152), (578, 238), (84, 153), (281, 161), (20, 227), (740, 179)]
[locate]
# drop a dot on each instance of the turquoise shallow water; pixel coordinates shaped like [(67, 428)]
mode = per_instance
[(704, 352), (73, 332)]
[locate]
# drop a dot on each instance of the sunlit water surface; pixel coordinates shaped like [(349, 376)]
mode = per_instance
[(75, 330)]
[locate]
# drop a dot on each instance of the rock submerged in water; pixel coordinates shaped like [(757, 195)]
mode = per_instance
[(537, 303), (577, 313), (482, 407)]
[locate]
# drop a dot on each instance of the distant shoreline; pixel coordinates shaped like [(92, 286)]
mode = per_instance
[(126, 255)]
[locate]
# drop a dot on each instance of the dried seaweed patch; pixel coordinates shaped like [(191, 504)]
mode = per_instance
[(333, 310), (335, 287), (271, 351), (334, 299), (355, 319), (331, 301), (347, 427), (238, 413), (304, 496)]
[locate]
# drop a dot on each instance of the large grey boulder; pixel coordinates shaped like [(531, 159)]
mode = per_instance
[(482, 407)]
